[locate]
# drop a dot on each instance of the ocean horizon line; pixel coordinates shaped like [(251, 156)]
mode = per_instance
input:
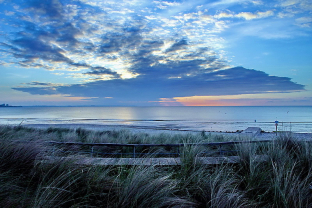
[(159, 106)]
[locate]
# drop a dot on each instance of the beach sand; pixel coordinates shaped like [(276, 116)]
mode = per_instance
[(157, 130)]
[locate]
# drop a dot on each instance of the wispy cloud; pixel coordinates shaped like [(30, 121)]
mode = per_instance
[(246, 15), (304, 21), (43, 84), (275, 29), (291, 8)]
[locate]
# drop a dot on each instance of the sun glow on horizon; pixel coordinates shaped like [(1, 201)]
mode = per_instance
[(233, 100)]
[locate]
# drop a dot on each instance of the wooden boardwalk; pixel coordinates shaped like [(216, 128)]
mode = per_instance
[(149, 161)]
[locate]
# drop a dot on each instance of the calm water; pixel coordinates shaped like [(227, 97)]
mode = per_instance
[(297, 119)]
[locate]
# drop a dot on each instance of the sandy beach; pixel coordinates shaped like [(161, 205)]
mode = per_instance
[(158, 130)]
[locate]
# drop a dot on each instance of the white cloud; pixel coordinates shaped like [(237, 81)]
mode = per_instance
[(275, 29), (206, 18), (286, 3), (285, 14), (296, 6), (229, 2), (165, 4), (257, 2), (304, 21), (188, 16), (265, 14), (169, 22), (245, 15), (224, 15), (171, 3)]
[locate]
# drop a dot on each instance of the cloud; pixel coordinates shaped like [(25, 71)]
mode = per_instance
[(126, 37), (51, 8), (295, 7), (37, 90), (257, 2), (165, 4), (9, 13), (275, 29), (31, 49), (230, 2), (245, 15), (258, 15), (132, 53), (78, 37), (304, 21), (177, 46), (299, 4), (36, 83), (101, 71), (224, 15), (154, 86), (50, 36)]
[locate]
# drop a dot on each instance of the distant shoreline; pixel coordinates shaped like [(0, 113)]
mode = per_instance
[(10, 106)]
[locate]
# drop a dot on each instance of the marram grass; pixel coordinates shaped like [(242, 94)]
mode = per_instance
[(283, 179)]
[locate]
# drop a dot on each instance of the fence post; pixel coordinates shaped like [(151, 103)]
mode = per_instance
[(133, 151), (92, 151)]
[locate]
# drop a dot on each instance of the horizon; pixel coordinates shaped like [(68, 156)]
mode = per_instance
[(156, 53), (154, 106)]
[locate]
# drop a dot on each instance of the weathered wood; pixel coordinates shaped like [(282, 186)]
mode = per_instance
[(134, 153), (159, 145), (149, 161)]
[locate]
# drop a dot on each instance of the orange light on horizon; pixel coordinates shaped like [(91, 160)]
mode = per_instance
[(224, 100), (203, 101)]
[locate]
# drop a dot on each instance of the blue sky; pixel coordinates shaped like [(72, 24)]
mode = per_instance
[(156, 53)]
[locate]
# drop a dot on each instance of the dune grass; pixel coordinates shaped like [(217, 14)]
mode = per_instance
[(283, 179)]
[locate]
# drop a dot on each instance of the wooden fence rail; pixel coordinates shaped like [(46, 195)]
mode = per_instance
[(134, 146)]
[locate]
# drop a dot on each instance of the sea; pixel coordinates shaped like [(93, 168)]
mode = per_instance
[(297, 119)]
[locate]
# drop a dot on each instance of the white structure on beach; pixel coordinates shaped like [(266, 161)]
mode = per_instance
[(252, 131)]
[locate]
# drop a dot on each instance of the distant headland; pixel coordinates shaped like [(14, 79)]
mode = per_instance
[(7, 105)]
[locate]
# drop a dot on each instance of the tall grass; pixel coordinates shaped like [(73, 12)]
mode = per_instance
[(281, 179), (145, 187), (58, 185), (209, 186), (17, 162)]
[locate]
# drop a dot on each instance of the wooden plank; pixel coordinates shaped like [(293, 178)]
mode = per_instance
[(150, 161), (158, 145)]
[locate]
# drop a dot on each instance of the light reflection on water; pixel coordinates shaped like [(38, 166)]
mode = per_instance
[(297, 119)]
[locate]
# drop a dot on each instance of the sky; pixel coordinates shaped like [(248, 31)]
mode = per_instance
[(156, 53)]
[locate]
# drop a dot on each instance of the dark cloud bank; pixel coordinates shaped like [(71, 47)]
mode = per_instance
[(150, 87), (156, 79)]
